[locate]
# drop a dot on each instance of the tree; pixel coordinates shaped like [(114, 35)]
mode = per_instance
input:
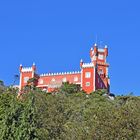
[(19, 120), (1, 83), (16, 78), (68, 88), (68, 116), (1, 86), (27, 128), (32, 82)]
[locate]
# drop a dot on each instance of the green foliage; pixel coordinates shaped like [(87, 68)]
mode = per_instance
[(1, 86), (1, 83), (68, 88), (31, 83), (17, 118), (32, 80), (101, 92), (69, 116)]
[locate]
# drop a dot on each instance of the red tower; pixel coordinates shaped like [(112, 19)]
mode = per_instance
[(88, 77), (26, 73), (98, 57)]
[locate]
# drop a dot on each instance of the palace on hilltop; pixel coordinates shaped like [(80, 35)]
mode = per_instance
[(92, 76)]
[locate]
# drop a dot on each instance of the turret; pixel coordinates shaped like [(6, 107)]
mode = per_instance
[(106, 50), (94, 54), (20, 67), (88, 77), (81, 63), (98, 58), (26, 73), (34, 67), (91, 52), (95, 49)]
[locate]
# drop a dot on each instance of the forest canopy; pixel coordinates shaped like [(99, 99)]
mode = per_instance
[(68, 114)]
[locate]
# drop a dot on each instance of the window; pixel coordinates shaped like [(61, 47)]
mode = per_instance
[(100, 71), (87, 84), (26, 79), (64, 79), (41, 81), (53, 80), (100, 56), (75, 79), (88, 75)]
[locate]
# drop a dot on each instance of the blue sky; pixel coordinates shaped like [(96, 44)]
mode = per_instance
[(57, 34)]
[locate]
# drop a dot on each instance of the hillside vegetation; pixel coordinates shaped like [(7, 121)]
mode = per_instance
[(68, 115)]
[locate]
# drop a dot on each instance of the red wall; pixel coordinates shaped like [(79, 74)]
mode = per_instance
[(47, 80), (25, 74), (90, 88)]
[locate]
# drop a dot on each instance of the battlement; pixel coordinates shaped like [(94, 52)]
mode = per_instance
[(87, 65), (60, 73), (27, 69), (101, 50)]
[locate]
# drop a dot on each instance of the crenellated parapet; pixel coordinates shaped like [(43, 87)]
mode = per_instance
[(27, 69), (60, 73), (87, 65)]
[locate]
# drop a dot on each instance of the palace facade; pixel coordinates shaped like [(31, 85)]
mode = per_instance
[(92, 76)]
